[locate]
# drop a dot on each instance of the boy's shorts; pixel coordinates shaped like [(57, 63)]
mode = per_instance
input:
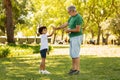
[(75, 43), (43, 53)]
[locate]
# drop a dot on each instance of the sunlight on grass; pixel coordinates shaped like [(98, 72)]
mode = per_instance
[(92, 68)]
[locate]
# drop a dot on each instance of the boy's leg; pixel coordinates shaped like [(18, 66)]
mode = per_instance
[(42, 65), (43, 57)]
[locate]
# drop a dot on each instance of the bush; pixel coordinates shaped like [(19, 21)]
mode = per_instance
[(12, 50), (50, 48), (36, 49), (4, 52), (17, 51)]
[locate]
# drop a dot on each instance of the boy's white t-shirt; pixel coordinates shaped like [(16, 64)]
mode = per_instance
[(44, 42)]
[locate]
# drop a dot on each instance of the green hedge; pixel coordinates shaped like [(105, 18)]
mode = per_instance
[(4, 52), (12, 50)]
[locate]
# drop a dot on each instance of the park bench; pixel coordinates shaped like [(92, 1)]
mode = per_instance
[(30, 40), (38, 40), (3, 40), (22, 40)]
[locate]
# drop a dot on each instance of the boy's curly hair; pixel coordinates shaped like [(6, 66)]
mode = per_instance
[(41, 29)]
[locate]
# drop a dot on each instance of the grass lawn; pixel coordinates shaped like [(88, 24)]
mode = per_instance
[(92, 68)]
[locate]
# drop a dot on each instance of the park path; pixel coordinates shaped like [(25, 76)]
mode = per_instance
[(97, 50)]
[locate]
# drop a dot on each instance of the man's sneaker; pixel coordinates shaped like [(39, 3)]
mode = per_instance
[(45, 72), (72, 72), (76, 72)]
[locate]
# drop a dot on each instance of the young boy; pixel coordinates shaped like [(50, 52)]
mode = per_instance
[(44, 48)]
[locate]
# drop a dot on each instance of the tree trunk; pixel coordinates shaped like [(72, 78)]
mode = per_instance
[(98, 38), (103, 39), (92, 33), (54, 38), (62, 35), (119, 40), (9, 21), (107, 36)]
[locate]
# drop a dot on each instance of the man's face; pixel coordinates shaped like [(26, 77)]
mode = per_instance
[(70, 12)]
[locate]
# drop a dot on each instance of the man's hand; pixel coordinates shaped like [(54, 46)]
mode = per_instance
[(54, 28), (61, 27), (67, 30)]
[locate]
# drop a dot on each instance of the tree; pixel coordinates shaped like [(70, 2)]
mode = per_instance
[(9, 21), (2, 19), (115, 27), (26, 15), (98, 12)]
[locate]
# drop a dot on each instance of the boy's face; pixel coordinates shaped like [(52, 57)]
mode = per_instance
[(44, 31)]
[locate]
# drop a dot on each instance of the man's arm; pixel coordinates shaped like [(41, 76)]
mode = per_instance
[(62, 26), (77, 29)]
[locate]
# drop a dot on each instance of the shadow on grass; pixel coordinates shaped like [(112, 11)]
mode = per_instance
[(92, 68)]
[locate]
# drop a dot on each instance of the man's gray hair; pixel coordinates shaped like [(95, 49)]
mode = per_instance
[(71, 8)]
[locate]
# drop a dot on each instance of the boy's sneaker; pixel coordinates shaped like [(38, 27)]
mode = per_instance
[(45, 72), (40, 71), (73, 72)]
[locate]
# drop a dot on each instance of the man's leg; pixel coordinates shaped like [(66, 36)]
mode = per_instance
[(77, 63), (75, 53), (73, 64)]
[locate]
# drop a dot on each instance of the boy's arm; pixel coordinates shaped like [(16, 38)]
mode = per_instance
[(50, 34)]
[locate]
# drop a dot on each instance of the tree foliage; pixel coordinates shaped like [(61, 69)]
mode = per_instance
[(28, 14), (115, 27)]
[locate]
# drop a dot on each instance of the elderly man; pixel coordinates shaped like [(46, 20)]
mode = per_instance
[(74, 30)]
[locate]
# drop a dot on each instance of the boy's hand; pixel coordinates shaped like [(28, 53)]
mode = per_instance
[(53, 27)]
